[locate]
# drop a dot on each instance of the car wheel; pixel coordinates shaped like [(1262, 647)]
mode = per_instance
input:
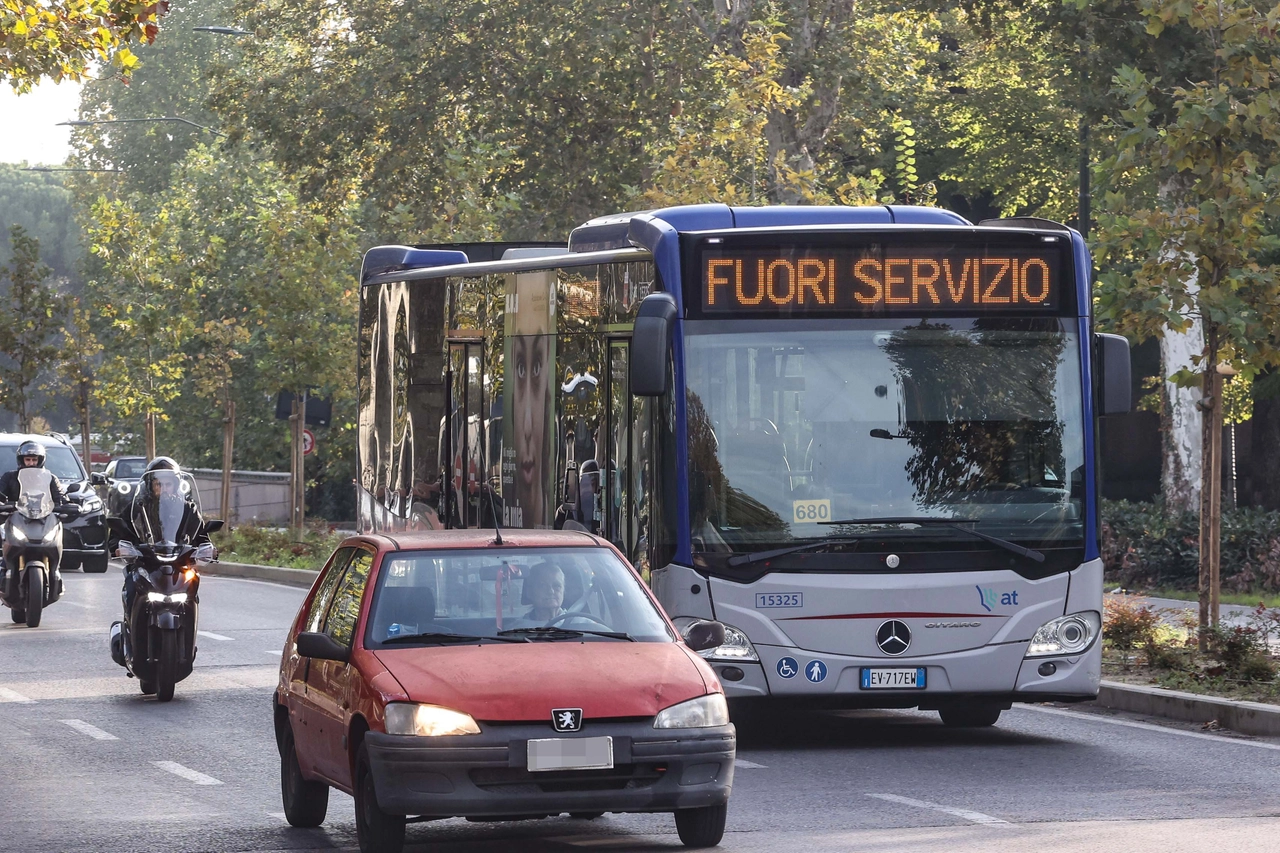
[(702, 827), (970, 716), (95, 564), (305, 802), (376, 831)]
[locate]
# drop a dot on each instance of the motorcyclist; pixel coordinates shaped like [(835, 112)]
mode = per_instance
[(30, 455), (157, 493)]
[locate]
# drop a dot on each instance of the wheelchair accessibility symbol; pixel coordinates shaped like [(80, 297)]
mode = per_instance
[(788, 668)]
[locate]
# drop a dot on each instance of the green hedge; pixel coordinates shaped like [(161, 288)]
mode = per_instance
[(1145, 546)]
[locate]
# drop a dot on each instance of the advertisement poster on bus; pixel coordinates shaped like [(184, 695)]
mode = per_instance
[(528, 406)]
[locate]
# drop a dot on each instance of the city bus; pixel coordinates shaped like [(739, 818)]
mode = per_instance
[(862, 438)]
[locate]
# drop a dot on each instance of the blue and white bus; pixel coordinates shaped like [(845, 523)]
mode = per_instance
[(863, 438)]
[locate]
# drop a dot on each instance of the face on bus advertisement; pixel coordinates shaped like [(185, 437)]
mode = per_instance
[(530, 352)]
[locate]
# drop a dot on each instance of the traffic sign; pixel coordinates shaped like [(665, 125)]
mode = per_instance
[(308, 442)]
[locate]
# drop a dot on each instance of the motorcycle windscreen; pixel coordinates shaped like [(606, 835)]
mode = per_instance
[(161, 509), (35, 495)]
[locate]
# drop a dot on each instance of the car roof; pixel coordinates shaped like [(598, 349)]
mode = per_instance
[(19, 437), (429, 540)]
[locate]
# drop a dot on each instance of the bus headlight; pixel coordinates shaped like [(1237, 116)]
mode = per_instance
[(1066, 635), (736, 647), (700, 713)]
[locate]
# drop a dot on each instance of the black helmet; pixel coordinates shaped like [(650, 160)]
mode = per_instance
[(163, 463), (31, 448)]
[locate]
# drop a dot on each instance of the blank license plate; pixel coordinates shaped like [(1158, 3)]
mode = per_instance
[(582, 753), (876, 678)]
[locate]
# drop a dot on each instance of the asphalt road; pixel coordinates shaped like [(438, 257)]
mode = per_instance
[(88, 764)]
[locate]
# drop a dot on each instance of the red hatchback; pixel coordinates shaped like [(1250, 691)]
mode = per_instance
[(467, 674)]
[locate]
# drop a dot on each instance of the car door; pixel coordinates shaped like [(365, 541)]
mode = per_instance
[(297, 668), (328, 688)]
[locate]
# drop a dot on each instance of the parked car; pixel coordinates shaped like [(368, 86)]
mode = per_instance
[(521, 675), (84, 539)]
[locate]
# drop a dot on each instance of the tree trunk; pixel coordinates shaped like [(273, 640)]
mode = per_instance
[(85, 444), (1210, 487), (1181, 424), (150, 432), (228, 448)]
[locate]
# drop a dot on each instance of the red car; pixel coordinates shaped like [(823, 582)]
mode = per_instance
[(520, 674)]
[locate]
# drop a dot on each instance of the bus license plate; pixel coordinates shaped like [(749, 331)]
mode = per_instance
[(584, 753), (875, 678)]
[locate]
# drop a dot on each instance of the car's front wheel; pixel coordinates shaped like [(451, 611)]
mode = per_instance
[(701, 827), (305, 802), (376, 831)]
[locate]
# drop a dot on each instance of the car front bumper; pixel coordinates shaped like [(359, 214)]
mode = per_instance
[(487, 775)]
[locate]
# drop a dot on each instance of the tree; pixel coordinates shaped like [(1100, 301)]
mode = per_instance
[(30, 317), (1199, 246), (62, 39)]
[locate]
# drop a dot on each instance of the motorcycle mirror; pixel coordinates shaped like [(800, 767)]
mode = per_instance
[(205, 554), (127, 550), (214, 525), (98, 479)]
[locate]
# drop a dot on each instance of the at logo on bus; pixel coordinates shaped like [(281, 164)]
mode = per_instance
[(991, 599)]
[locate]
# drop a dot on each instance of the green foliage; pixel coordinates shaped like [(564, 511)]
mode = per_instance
[(1128, 625), (1146, 546), (40, 203), (64, 39), (31, 312), (270, 546)]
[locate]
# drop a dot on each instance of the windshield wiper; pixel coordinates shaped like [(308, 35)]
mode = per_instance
[(444, 637), (954, 524), (757, 556), (545, 632)]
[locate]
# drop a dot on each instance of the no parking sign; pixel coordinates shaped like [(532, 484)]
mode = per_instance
[(308, 442)]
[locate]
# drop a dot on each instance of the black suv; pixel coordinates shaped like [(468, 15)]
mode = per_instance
[(84, 539)]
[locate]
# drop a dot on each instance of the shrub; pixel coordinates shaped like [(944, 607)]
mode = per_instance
[(1126, 625), (274, 546), (1147, 546)]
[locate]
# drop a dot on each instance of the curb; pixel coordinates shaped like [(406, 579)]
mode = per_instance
[(276, 574), (1250, 718)]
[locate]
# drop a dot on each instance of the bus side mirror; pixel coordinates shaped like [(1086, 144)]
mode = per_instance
[(651, 345), (1115, 391)]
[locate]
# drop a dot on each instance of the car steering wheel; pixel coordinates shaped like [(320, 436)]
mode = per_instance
[(574, 614)]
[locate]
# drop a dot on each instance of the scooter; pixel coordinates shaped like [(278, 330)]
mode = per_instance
[(30, 579), (156, 640)]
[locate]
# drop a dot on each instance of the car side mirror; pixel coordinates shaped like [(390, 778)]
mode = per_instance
[(98, 479), (651, 345), (318, 645), (703, 634), (214, 525)]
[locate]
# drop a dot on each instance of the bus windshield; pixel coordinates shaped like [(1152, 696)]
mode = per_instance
[(796, 425)]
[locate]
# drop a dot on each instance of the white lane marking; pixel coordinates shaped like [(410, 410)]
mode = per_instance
[(213, 636), (279, 815), (975, 817), (76, 604), (186, 773), (748, 765), (1150, 727), (7, 695), (92, 731), (276, 652)]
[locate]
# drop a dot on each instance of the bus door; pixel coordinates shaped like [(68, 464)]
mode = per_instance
[(463, 451), (617, 515)]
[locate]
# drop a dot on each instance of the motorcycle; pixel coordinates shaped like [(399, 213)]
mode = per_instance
[(30, 579), (156, 640)]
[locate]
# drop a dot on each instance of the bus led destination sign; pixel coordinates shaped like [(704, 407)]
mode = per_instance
[(881, 279)]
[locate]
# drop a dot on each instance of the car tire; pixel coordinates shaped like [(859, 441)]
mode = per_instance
[(376, 831), (975, 716), (95, 564), (701, 827), (305, 802)]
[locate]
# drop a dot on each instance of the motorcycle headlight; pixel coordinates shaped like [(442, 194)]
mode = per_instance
[(1066, 635), (700, 713), (407, 718), (18, 535), (736, 647), (161, 598), (54, 530)]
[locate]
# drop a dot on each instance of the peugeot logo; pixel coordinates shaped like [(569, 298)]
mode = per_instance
[(893, 637), (566, 719)]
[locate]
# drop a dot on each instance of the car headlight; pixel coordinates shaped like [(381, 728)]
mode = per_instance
[(736, 647), (124, 488), (700, 713), (176, 598), (1066, 635), (91, 504), (406, 718)]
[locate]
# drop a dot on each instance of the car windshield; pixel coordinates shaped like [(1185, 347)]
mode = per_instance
[(130, 469), (59, 459), (959, 419), (479, 593)]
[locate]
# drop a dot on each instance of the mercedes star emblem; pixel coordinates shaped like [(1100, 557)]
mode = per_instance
[(893, 637)]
